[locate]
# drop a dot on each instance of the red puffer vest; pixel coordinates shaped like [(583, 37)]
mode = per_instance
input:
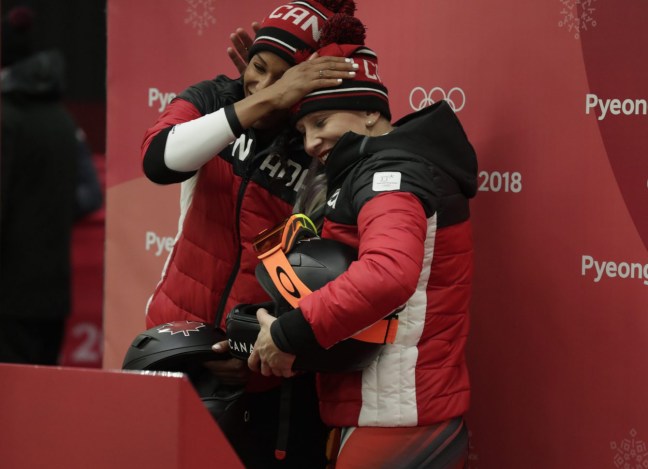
[(232, 198)]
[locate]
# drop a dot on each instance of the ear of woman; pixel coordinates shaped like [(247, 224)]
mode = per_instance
[(372, 119)]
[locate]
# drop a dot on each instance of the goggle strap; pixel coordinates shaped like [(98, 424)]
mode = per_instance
[(291, 288), (294, 232), (382, 332)]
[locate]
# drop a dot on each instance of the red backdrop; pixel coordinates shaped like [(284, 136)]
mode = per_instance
[(553, 96)]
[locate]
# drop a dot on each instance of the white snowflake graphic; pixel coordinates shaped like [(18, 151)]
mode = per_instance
[(577, 16), (631, 453), (200, 14)]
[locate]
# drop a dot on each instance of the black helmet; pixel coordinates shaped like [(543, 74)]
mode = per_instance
[(315, 262), (184, 346)]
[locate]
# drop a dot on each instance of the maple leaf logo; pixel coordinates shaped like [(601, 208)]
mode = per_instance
[(184, 327)]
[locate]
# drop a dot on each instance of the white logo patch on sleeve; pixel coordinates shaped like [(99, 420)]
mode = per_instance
[(388, 181)]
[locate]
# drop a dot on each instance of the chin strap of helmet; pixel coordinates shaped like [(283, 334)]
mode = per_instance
[(284, 418)]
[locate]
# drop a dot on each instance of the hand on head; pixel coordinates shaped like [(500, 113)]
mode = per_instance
[(311, 75), (284, 40), (270, 86)]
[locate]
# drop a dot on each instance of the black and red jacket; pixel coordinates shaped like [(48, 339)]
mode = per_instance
[(402, 200), (243, 190)]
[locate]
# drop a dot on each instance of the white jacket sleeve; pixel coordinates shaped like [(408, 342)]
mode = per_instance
[(192, 144)]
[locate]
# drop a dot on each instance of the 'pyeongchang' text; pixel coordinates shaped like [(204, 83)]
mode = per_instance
[(627, 107), (611, 269), (159, 244)]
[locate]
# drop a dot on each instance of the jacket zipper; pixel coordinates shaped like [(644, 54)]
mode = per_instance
[(249, 170), (237, 264)]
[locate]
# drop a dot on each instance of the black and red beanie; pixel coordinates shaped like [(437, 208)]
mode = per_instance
[(344, 37), (292, 31)]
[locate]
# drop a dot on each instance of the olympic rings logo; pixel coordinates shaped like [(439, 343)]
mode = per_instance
[(419, 98)]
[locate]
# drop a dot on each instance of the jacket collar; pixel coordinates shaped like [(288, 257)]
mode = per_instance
[(434, 133)]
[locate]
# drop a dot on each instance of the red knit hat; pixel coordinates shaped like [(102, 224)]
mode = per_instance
[(344, 37), (292, 31)]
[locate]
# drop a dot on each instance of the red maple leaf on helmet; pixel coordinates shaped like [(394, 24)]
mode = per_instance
[(186, 327)]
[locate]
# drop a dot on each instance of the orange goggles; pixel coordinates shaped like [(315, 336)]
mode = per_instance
[(284, 235)]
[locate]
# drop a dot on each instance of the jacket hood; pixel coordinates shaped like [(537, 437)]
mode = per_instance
[(434, 133), (41, 74)]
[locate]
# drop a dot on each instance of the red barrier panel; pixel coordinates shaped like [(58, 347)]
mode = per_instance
[(85, 418)]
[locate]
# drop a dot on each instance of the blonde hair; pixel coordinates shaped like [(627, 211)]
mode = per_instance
[(311, 197)]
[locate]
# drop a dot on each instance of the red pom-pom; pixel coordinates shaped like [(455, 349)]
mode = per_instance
[(342, 29), (348, 7)]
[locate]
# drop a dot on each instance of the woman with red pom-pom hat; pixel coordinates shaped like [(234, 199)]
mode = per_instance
[(219, 139), (399, 193)]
